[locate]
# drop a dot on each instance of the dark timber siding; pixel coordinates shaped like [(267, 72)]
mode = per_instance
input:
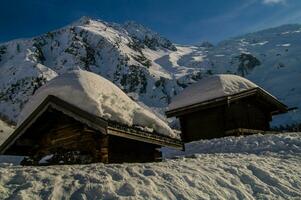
[(127, 150), (202, 125), (246, 115), (57, 134), (214, 122)]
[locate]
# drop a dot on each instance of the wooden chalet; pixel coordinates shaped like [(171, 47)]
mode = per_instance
[(72, 135), (244, 110)]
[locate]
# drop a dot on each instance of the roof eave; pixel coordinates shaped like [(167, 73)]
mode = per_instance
[(228, 99)]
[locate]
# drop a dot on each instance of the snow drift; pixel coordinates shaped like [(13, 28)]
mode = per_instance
[(253, 144), (253, 167), (98, 96)]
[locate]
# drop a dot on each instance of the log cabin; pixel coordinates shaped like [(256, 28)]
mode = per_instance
[(223, 105), (59, 131)]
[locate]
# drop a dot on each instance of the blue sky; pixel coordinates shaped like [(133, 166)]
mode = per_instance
[(182, 21)]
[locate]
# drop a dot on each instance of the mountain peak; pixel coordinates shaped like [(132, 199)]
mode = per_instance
[(82, 21)]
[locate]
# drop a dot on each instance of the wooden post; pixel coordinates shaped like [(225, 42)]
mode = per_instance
[(103, 152), (157, 155), (182, 126)]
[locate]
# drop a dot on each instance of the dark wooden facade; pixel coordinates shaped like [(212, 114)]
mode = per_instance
[(243, 113), (72, 136)]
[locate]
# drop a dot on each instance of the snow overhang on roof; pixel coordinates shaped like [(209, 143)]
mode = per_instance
[(99, 97), (217, 90)]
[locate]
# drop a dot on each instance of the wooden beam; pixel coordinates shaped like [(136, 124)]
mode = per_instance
[(145, 137), (244, 131)]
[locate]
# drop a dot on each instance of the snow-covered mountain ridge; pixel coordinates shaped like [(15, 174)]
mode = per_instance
[(147, 66)]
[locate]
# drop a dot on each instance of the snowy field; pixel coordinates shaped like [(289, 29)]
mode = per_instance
[(254, 167)]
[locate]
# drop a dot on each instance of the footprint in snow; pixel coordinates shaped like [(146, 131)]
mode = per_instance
[(149, 172), (115, 176), (126, 190)]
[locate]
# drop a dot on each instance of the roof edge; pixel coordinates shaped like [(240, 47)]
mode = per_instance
[(227, 99)]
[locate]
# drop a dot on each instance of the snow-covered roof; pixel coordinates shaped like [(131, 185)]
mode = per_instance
[(98, 96), (210, 88)]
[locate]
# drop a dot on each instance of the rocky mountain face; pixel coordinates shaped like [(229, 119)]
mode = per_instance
[(148, 67)]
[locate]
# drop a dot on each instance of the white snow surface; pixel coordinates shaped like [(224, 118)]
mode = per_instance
[(254, 144), (253, 167), (210, 88), (98, 96)]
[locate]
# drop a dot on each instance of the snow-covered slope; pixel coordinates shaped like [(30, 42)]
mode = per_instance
[(146, 66), (254, 167), (98, 96)]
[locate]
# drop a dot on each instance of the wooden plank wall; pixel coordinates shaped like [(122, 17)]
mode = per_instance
[(214, 122), (56, 133), (127, 150)]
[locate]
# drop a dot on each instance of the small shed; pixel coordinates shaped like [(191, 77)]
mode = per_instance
[(80, 117), (222, 105)]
